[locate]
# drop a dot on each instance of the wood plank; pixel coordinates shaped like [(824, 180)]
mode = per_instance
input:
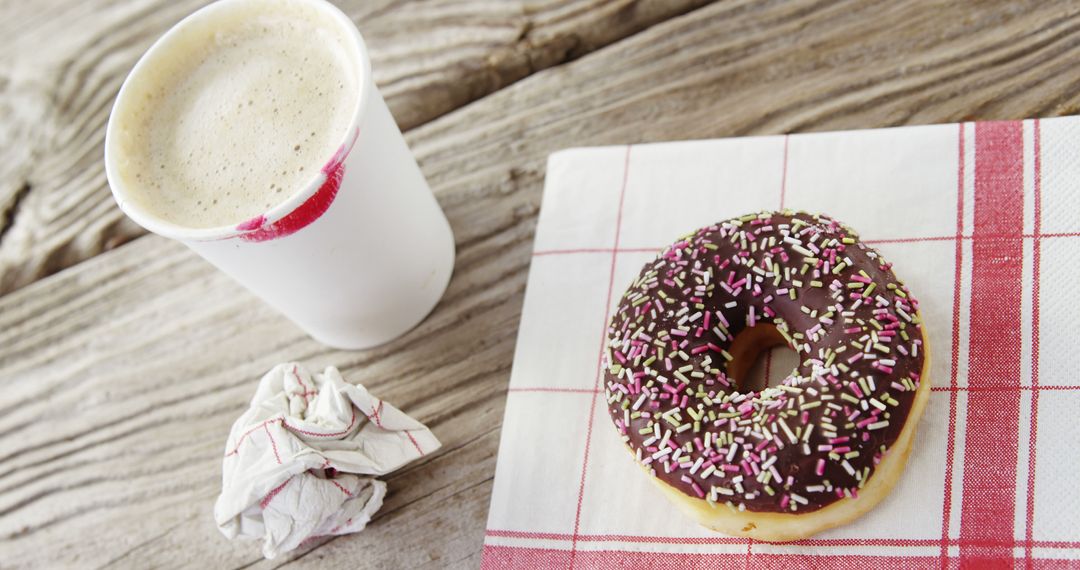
[(59, 75), (122, 374)]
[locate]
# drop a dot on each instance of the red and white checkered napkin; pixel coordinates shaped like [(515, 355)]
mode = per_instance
[(981, 220)]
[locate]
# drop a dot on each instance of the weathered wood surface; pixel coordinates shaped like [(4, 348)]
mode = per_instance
[(121, 375), (62, 63)]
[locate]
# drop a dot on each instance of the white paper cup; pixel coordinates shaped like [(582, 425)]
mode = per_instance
[(359, 256)]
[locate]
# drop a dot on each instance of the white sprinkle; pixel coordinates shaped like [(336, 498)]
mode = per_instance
[(847, 467), (787, 430)]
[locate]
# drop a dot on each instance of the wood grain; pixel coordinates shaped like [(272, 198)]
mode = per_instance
[(122, 374), (427, 57)]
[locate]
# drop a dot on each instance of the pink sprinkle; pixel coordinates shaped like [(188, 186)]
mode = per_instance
[(856, 357), (700, 493), (699, 349), (852, 330), (820, 470), (855, 388), (784, 501), (723, 320)]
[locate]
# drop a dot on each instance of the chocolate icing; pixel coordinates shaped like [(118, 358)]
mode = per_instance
[(865, 399)]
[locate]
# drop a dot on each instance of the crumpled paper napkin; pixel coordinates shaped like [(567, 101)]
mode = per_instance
[(300, 462)]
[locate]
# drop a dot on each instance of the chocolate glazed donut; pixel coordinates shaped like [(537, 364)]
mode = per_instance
[(783, 462)]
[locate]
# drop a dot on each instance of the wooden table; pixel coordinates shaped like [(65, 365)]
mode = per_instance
[(124, 357)]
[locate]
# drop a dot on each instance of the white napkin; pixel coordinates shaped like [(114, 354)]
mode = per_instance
[(299, 462), (960, 209)]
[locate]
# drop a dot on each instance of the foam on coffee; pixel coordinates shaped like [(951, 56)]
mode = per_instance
[(235, 112)]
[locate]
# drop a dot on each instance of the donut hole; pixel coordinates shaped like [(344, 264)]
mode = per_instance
[(761, 358)]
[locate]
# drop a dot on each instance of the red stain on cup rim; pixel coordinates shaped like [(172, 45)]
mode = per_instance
[(253, 224), (257, 229)]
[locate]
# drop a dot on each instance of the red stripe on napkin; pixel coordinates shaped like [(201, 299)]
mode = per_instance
[(990, 452)]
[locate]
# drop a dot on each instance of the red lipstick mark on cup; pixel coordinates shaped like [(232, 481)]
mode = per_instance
[(253, 223), (256, 229)]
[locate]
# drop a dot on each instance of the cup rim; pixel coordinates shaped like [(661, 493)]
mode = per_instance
[(175, 231)]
